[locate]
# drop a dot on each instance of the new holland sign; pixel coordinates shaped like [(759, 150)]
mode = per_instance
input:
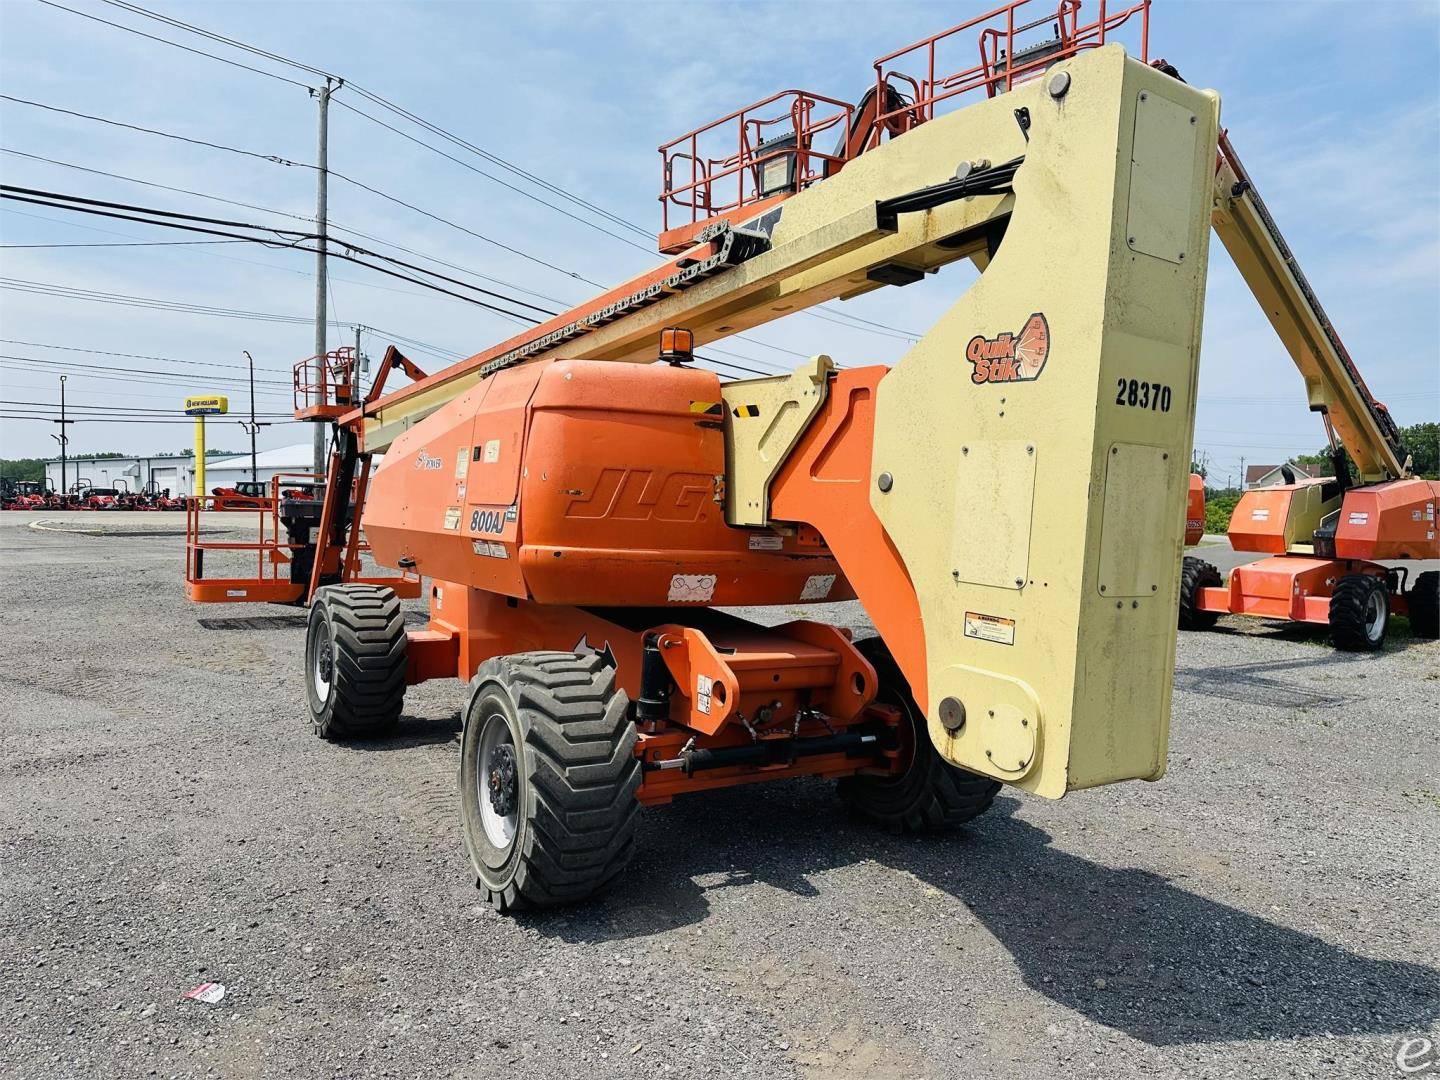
[(209, 405)]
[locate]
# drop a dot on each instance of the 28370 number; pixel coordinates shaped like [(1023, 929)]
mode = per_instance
[(1142, 395)]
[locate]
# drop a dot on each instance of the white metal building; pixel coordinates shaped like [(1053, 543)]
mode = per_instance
[(172, 471), (176, 472), (226, 472)]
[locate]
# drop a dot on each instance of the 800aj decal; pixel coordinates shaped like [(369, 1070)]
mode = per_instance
[(1011, 357), (490, 519)]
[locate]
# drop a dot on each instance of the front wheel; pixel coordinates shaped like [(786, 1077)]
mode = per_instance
[(355, 661), (1359, 613), (548, 779), (1196, 574), (930, 794)]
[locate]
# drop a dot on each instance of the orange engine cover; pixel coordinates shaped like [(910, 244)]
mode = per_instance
[(586, 483), (1394, 520)]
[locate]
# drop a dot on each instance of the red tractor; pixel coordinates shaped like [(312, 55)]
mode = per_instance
[(24, 495), (246, 495)]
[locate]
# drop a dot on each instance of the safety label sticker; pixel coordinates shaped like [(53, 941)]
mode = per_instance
[(817, 586), (452, 518), (1261, 514), (492, 451), (491, 549), (766, 541), (1359, 518), (990, 628), (691, 588), (703, 686), (462, 462)]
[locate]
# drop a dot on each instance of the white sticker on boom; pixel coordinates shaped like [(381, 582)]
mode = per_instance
[(766, 541), (492, 451), (452, 518), (1359, 518), (691, 588), (989, 628), (817, 586), (462, 462), (1262, 514), (703, 685)]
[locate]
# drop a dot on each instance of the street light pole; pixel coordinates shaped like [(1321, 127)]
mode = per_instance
[(321, 179), (252, 427), (63, 439)]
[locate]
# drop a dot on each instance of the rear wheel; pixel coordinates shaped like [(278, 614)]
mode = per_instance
[(1424, 601), (931, 794), (1196, 574), (355, 661), (1359, 613), (548, 778)]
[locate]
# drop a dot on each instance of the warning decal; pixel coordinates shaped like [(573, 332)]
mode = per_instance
[(691, 588), (990, 628)]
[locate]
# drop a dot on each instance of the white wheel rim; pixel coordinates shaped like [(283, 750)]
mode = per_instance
[(322, 664), (1375, 615), (495, 735)]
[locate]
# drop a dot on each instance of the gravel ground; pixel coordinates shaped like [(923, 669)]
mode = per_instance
[(1268, 909)]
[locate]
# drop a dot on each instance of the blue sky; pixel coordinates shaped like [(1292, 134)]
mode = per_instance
[(1343, 145)]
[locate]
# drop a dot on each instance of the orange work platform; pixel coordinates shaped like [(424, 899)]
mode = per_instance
[(282, 553)]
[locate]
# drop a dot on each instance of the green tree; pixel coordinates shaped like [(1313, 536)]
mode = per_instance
[(1219, 505), (30, 468), (1422, 442)]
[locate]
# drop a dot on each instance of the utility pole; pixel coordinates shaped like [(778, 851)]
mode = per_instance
[(252, 427), (1242, 472), (359, 375), (321, 176), (63, 439)]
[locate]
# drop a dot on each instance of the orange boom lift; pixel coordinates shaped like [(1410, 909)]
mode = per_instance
[(585, 504), (1323, 539)]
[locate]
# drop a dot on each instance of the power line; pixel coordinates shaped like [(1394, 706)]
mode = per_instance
[(176, 44), (330, 224), (131, 244), (109, 409), (252, 49), (399, 111), (491, 177), (146, 371), (76, 204), (119, 420), (155, 131), (275, 159), (140, 356), (486, 155)]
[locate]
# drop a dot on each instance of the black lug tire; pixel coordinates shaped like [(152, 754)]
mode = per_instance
[(365, 630), (931, 795), (577, 779), (1424, 601), (1348, 604), (1196, 574)]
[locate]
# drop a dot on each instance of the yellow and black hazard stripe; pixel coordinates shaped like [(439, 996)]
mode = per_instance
[(747, 410), (707, 408)]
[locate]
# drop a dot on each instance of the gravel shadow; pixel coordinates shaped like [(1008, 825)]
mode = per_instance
[(1123, 946)]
